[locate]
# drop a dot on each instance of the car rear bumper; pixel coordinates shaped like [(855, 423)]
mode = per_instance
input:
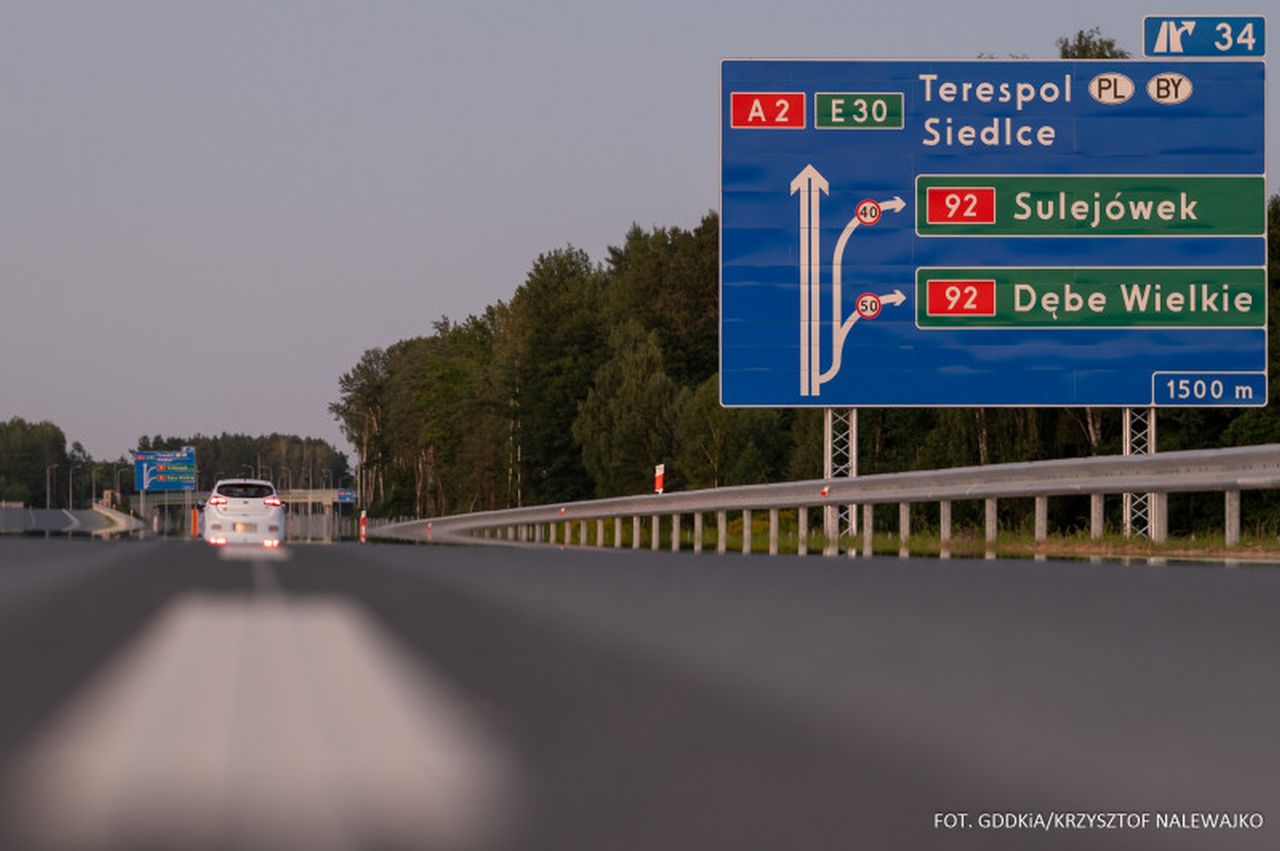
[(244, 529)]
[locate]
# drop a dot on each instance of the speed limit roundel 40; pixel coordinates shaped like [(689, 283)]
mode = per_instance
[(868, 212)]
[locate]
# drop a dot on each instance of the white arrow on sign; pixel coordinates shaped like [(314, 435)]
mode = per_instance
[(810, 184), (840, 329)]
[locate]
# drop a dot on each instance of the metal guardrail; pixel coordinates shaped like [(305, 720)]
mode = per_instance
[(1228, 471), (120, 523)]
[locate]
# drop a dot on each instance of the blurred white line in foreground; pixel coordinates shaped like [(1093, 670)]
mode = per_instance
[(264, 722)]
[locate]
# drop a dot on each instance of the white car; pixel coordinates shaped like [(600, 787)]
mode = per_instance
[(244, 511)]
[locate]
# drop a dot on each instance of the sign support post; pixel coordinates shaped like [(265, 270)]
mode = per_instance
[(840, 460), (1139, 438)]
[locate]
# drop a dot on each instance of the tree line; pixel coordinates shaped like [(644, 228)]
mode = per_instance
[(37, 468), (592, 373), (288, 460)]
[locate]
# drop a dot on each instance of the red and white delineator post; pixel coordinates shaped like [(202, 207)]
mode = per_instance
[(659, 478), (363, 520)]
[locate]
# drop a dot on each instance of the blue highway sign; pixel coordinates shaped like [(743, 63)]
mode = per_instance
[(1172, 36), (165, 471), (934, 233)]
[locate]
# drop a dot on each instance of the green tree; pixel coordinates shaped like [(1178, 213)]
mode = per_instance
[(718, 446), (625, 424), (558, 342), (667, 279), (26, 451), (1090, 44), (360, 413)]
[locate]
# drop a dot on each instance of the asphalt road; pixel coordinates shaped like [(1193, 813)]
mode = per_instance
[(157, 695)]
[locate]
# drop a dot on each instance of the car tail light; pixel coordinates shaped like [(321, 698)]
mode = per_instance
[(217, 499), (271, 543), (218, 542), (273, 501)]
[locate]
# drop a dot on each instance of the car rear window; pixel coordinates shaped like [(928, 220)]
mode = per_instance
[(246, 491)]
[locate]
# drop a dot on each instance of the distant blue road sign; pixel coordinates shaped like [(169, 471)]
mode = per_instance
[(932, 233), (165, 471), (345, 495), (1172, 36)]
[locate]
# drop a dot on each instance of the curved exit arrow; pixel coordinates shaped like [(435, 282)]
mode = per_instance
[(840, 329), (895, 298)]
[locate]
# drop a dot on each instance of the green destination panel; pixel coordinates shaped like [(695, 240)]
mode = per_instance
[(857, 111), (1091, 298), (1089, 205)]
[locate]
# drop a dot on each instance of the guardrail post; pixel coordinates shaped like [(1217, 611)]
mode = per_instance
[(722, 532), (1232, 530), (599, 531), (537, 533), (675, 533), (551, 532), (1042, 519), (635, 532), (992, 521), (1159, 518), (802, 530), (511, 533), (944, 521), (830, 530), (1095, 516), (868, 529), (697, 532), (904, 526), (582, 533), (655, 537), (773, 531), (746, 531), (617, 532), (566, 532)]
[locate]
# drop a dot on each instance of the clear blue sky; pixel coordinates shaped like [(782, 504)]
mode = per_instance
[(209, 210)]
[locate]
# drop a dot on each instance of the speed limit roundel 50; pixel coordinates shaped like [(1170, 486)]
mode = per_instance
[(868, 305)]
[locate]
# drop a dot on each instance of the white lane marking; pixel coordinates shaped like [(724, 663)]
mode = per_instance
[(264, 722), (265, 580), (252, 552)]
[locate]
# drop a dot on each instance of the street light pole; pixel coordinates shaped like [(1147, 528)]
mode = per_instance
[(119, 470), (310, 485)]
